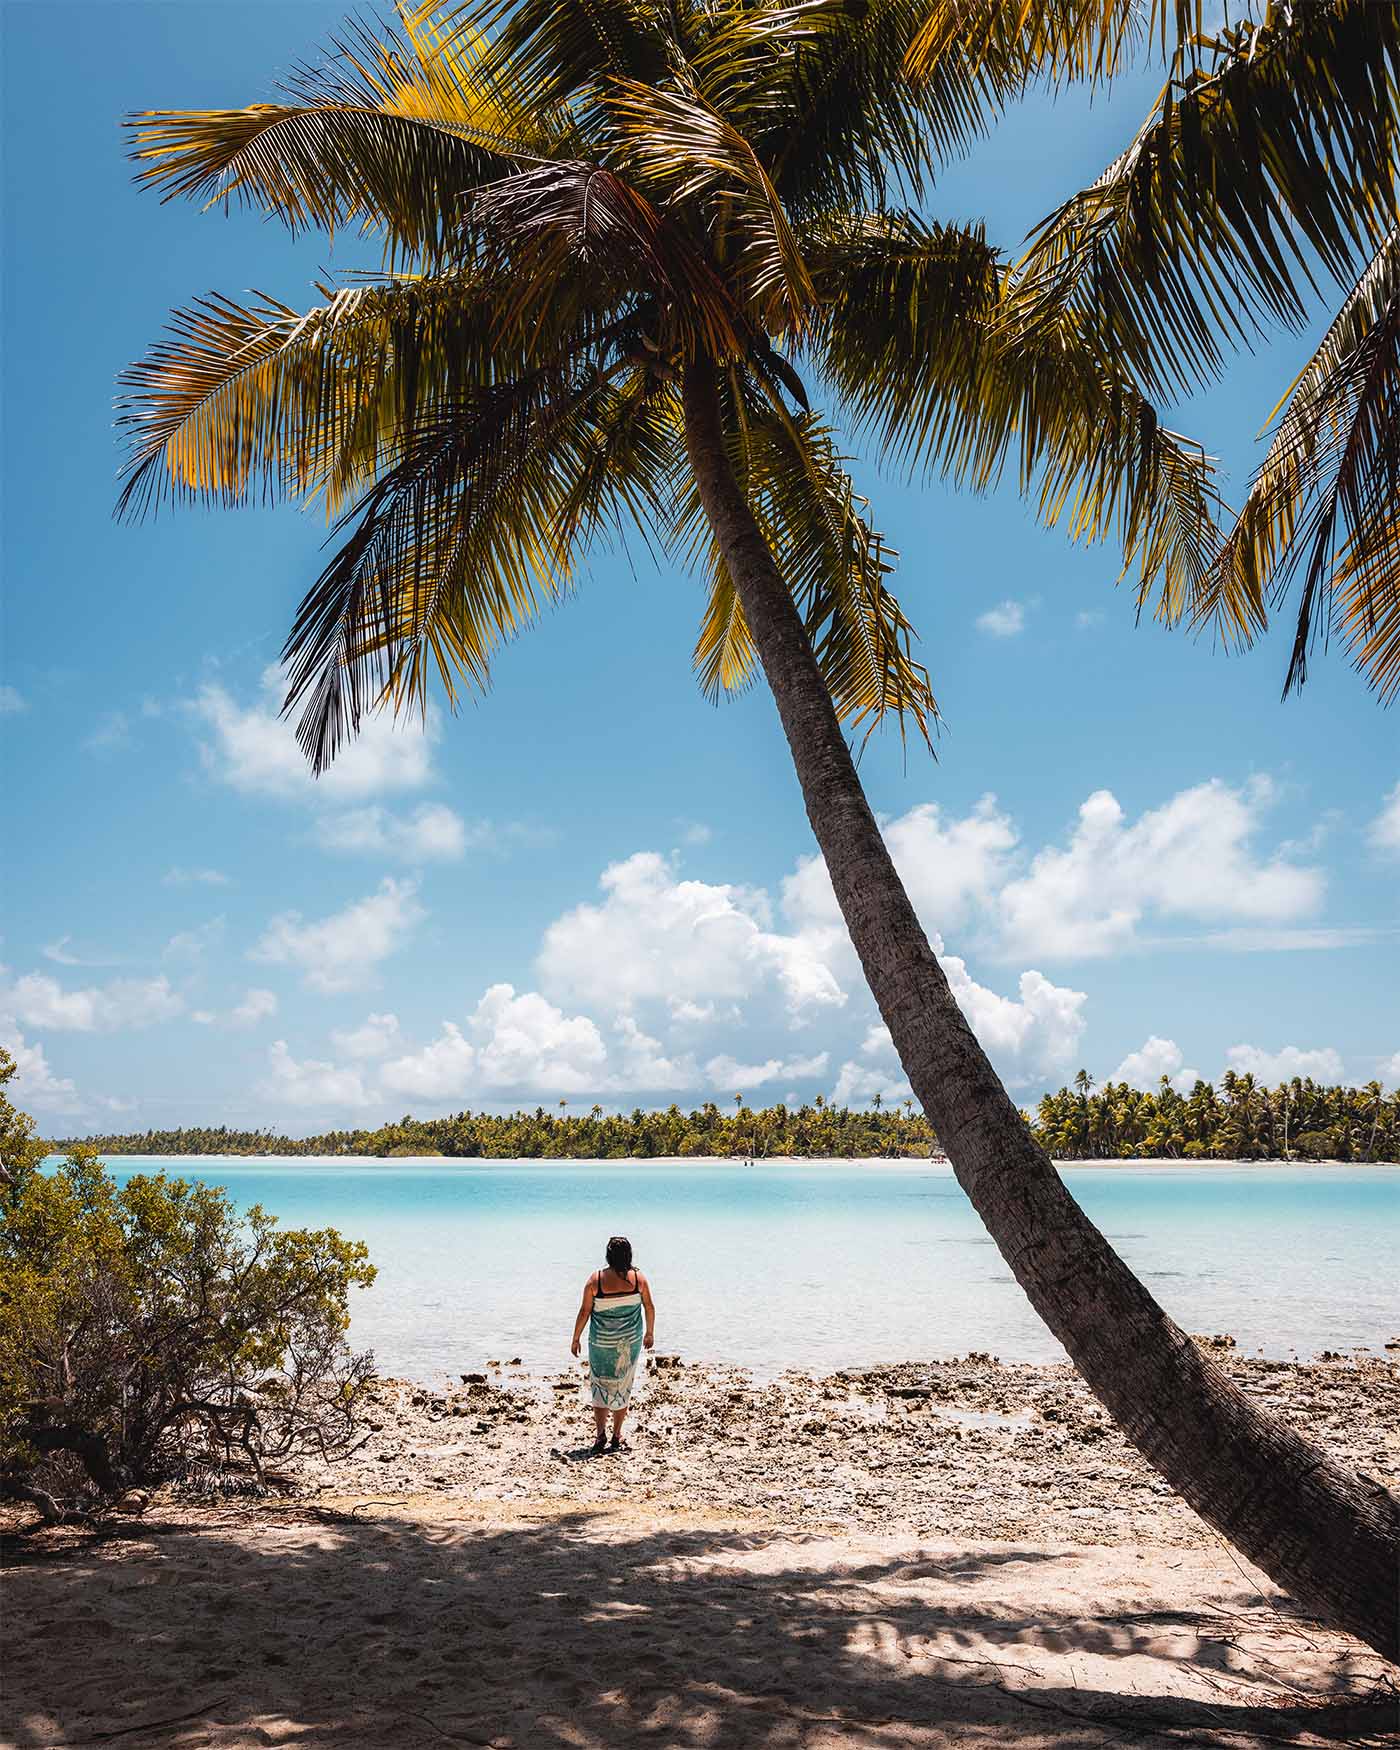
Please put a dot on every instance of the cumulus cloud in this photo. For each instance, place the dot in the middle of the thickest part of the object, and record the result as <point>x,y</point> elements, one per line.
<point>11,702</point>
<point>342,951</point>
<point>253,749</point>
<point>440,1071</point>
<point>310,1083</point>
<point>374,1037</point>
<point>1272,1067</point>
<point>520,1042</point>
<point>257,1005</point>
<point>1389,1071</point>
<point>1155,1058</point>
<point>35,1083</point>
<point>36,1000</point>
<point>655,937</point>
<point>726,1072</point>
<point>1384,831</point>
<point>1003,621</point>
<point>512,1041</point>
<point>431,833</point>
<point>1192,857</point>
<point>1029,1037</point>
<point>951,868</point>
<point>857,1084</point>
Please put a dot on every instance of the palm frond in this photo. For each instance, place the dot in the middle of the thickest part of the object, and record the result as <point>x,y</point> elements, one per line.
<point>831,557</point>
<point>460,544</point>
<point>584,222</point>
<point>1000,45</point>
<point>674,145</point>
<point>1271,145</point>
<point>558,55</point>
<point>923,336</point>
<point>817,89</point>
<point>391,133</point>
<point>725,661</point>
<point>1321,507</point>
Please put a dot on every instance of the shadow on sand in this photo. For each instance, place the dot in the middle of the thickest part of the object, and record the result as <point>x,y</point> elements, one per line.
<point>319,1628</point>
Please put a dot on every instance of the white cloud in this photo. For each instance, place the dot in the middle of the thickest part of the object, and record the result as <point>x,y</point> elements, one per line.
<point>1272,1067</point>
<point>645,1064</point>
<point>1087,618</point>
<point>1155,1058</point>
<point>35,1083</point>
<point>11,702</point>
<point>310,1083</point>
<point>203,1017</point>
<point>376,1035</point>
<point>857,1084</point>
<point>1003,621</point>
<point>656,937</point>
<point>725,1072</point>
<point>61,955</point>
<point>254,749</point>
<point>182,877</point>
<point>1028,1037</point>
<point>431,833</point>
<point>1191,857</point>
<point>516,1042</point>
<point>194,944</point>
<point>36,1000</point>
<point>950,868</point>
<point>524,1041</point>
<point>695,832</point>
<point>339,952</point>
<point>1384,830</point>
<point>443,1070</point>
<point>1389,1071</point>
<point>257,1005</point>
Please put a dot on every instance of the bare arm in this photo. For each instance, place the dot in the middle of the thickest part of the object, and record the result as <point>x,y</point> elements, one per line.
<point>590,1288</point>
<point>650,1337</point>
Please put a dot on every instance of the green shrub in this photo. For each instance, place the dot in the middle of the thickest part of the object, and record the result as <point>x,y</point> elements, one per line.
<point>149,1331</point>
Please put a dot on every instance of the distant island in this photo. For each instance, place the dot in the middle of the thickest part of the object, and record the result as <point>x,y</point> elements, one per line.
<point>1298,1120</point>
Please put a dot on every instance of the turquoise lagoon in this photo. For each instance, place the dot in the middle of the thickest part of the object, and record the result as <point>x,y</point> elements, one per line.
<point>818,1266</point>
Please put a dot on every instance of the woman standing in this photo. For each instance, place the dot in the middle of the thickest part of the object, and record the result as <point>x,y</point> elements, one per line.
<point>614,1301</point>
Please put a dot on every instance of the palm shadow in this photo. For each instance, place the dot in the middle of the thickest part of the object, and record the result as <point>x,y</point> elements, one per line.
<point>556,1635</point>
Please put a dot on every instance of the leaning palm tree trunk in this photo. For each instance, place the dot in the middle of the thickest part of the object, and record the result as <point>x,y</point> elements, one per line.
<point>1325,1536</point>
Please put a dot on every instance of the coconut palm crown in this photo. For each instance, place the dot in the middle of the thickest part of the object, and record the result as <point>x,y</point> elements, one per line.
<point>574,201</point>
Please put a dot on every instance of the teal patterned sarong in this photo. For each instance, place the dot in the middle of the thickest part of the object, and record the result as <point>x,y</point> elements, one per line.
<point>614,1348</point>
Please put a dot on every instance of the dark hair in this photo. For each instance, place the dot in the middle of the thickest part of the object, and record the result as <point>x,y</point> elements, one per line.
<point>620,1254</point>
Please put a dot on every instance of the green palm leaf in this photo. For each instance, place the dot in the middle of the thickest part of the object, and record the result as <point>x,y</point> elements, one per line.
<point>926,338</point>
<point>391,134</point>
<point>1321,508</point>
<point>1271,145</point>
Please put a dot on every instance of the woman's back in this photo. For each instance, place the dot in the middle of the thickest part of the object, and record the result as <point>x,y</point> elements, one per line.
<point>609,1284</point>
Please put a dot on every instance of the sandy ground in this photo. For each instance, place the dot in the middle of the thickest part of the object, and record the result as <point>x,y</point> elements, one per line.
<point>933,1554</point>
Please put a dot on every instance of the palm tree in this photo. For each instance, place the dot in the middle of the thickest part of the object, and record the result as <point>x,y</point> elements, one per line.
<point>612,235</point>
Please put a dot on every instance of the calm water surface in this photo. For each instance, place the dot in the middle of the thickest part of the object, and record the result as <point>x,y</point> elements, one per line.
<point>819,1267</point>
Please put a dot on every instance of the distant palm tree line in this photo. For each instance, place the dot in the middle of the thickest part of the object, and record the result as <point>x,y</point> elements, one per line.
<point>1298,1120</point>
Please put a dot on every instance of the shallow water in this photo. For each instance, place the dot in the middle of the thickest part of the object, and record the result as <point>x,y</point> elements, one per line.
<point>819,1266</point>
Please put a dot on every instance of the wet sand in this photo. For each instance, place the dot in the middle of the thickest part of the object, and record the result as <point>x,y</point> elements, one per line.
<point>931,1554</point>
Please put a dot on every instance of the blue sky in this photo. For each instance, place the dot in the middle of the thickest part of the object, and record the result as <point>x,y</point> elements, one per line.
<point>593,884</point>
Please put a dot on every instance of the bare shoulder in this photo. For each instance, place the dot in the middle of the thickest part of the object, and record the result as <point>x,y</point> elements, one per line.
<point>591,1286</point>
<point>642,1282</point>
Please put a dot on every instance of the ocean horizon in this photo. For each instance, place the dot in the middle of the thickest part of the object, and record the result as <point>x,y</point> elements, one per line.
<point>815,1265</point>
